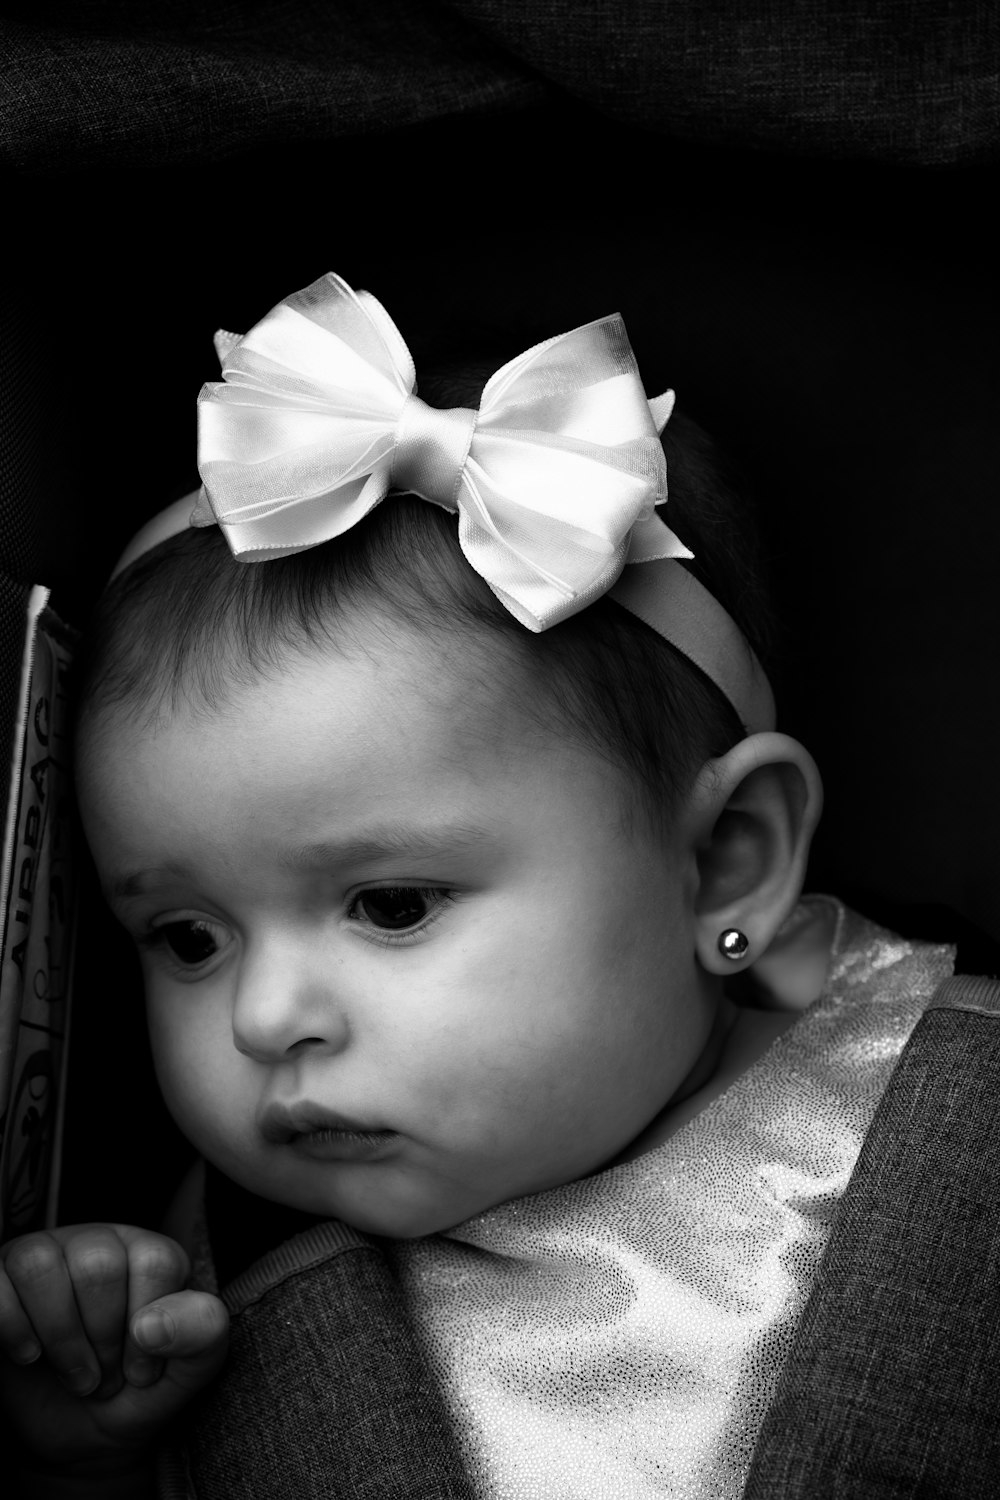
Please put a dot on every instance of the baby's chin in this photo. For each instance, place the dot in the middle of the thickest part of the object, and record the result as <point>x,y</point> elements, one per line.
<point>386,1204</point>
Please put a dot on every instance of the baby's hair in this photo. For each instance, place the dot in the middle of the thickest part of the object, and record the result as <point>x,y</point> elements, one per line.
<point>186,622</point>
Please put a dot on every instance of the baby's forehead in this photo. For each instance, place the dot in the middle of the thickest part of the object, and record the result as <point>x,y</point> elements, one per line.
<point>189,633</point>
<point>367,762</point>
<point>384,689</point>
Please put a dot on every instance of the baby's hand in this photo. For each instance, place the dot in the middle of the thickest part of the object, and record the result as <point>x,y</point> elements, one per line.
<point>102,1345</point>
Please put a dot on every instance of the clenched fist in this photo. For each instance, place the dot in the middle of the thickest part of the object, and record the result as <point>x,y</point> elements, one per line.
<point>101,1344</point>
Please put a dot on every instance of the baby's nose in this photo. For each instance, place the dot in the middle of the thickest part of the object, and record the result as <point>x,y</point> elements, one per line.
<point>283,1006</point>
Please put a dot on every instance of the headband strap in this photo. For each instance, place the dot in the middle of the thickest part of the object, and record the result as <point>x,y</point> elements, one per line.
<point>555,478</point>
<point>673,603</point>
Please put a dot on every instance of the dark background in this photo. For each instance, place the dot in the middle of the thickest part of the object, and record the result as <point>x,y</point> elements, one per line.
<point>793,214</point>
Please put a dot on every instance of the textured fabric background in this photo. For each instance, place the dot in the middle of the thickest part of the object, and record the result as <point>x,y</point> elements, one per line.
<point>890,1391</point>
<point>148,84</point>
<point>326,1395</point>
<point>145,84</point>
<point>890,79</point>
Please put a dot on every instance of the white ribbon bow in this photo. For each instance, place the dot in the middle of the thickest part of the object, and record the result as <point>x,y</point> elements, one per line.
<point>554,479</point>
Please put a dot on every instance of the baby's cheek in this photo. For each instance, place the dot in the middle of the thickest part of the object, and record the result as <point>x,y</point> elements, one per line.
<point>197,1067</point>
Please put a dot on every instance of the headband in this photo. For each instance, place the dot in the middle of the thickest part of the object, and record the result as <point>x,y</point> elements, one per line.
<point>555,478</point>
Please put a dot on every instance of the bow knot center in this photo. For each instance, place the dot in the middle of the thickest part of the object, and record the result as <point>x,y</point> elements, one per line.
<point>431,448</point>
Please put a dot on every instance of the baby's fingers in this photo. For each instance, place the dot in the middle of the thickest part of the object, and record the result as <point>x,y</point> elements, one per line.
<point>98,1269</point>
<point>190,1332</point>
<point>158,1267</point>
<point>37,1278</point>
<point>17,1337</point>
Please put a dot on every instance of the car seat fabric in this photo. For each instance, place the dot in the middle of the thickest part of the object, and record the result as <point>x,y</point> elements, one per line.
<point>890,1389</point>
<point>149,86</point>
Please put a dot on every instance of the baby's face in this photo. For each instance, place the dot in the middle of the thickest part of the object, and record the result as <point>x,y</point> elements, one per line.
<point>404,956</point>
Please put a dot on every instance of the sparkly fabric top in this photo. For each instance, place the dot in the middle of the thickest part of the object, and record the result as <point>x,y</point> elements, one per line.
<point>621,1336</point>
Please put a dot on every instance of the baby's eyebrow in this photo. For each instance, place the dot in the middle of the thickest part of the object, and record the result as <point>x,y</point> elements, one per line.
<point>392,840</point>
<point>365,846</point>
<point>136,882</point>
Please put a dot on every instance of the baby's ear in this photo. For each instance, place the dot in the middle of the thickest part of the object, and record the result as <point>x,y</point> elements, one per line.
<point>753,813</point>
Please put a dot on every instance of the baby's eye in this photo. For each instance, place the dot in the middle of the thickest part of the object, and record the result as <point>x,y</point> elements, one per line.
<point>396,908</point>
<point>192,942</point>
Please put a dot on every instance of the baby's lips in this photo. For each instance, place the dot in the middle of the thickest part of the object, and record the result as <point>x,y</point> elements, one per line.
<point>280,1122</point>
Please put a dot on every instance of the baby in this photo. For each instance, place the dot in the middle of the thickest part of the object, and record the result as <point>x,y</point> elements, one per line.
<point>439,842</point>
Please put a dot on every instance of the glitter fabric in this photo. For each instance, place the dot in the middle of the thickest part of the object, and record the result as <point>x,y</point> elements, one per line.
<point>621,1336</point>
